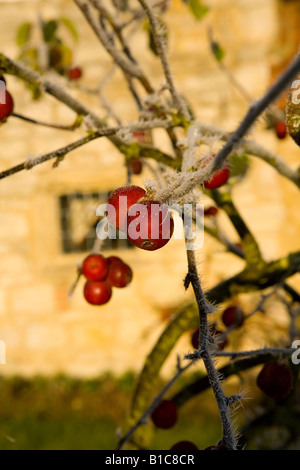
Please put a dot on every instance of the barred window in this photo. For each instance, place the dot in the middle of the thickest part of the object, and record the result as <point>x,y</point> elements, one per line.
<point>78,221</point>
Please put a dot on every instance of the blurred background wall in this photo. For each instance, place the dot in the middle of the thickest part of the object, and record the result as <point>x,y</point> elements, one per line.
<point>45,331</point>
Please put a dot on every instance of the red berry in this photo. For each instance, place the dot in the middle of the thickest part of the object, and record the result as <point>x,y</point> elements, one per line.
<point>275,380</point>
<point>112,259</point>
<point>233,315</point>
<point>219,336</point>
<point>184,445</point>
<point>6,108</point>
<point>221,339</point>
<point>121,199</point>
<point>280,129</point>
<point>136,166</point>
<point>119,274</point>
<point>219,178</point>
<point>74,73</point>
<point>211,211</point>
<point>165,414</point>
<point>195,339</point>
<point>149,224</point>
<point>97,292</point>
<point>139,136</point>
<point>95,267</point>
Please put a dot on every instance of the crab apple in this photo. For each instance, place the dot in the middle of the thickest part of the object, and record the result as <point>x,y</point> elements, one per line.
<point>211,210</point>
<point>74,73</point>
<point>139,136</point>
<point>233,316</point>
<point>97,292</point>
<point>121,199</point>
<point>95,267</point>
<point>195,339</point>
<point>280,129</point>
<point>165,414</point>
<point>275,380</point>
<point>221,339</point>
<point>113,259</point>
<point>149,225</point>
<point>119,274</point>
<point>6,108</point>
<point>219,178</point>
<point>184,445</point>
<point>136,166</point>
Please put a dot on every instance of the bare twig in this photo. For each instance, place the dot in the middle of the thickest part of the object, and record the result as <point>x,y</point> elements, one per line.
<point>256,110</point>
<point>154,404</point>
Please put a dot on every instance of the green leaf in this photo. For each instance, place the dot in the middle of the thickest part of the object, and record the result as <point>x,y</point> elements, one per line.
<point>198,9</point>
<point>49,30</point>
<point>23,34</point>
<point>70,26</point>
<point>218,51</point>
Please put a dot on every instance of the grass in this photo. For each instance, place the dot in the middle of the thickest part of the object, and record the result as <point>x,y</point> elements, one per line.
<point>63,413</point>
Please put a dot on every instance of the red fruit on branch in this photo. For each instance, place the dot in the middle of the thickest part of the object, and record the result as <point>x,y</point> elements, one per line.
<point>136,166</point>
<point>149,225</point>
<point>280,129</point>
<point>165,414</point>
<point>112,259</point>
<point>74,73</point>
<point>97,292</point>
<point>119,274</point>
<point>6,109</point>
<point>184,445</point>
<point>219,336</point>
<point>219,178</point>
<point>121,199</point>
<point>95,267</point>
<point>140,136</point>
<point>275,380</point>
<point>211,210</point>
<point>233,316</point>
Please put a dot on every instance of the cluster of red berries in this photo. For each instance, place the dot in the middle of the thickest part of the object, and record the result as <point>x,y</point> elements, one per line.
<point>102,274</point>
<point>148,224</point>
<point>6,108</point>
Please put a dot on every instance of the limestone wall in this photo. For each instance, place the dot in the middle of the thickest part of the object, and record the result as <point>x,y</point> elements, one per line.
<point>43,330</point>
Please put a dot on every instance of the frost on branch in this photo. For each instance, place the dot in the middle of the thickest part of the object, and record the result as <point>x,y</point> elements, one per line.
<point>183,187</point>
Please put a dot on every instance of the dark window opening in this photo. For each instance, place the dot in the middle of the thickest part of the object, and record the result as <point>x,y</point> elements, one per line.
<point>78,222</point>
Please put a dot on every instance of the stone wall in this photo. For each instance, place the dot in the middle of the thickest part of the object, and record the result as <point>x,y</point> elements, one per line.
<point>43,330</point>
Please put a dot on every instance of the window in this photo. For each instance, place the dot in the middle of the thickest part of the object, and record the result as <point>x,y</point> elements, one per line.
<point>78,221</point>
